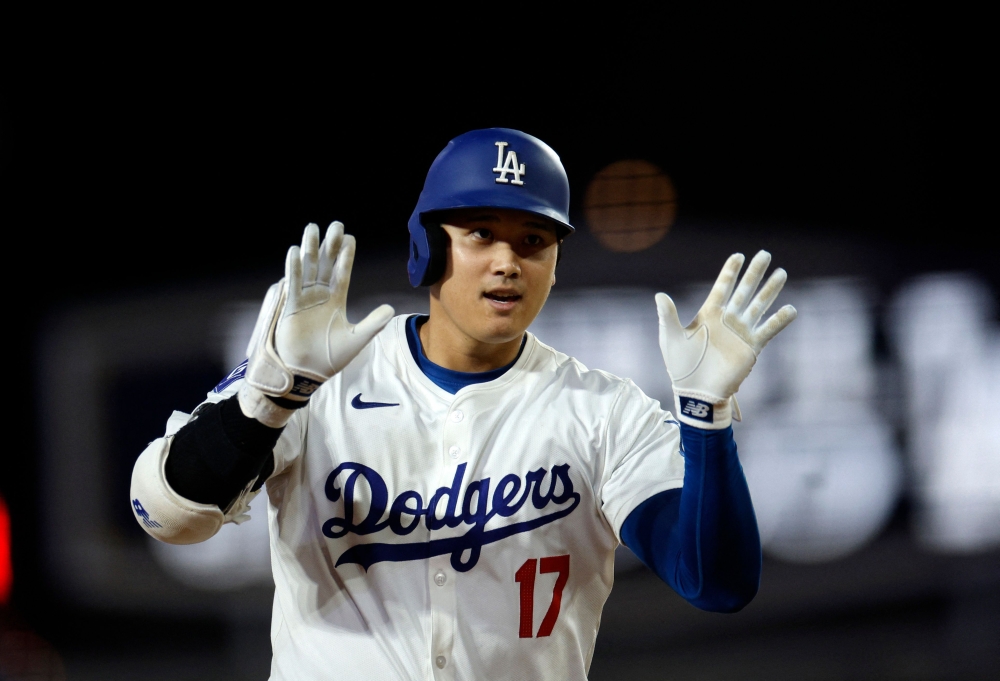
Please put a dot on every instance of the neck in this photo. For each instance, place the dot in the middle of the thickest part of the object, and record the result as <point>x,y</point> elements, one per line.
<point>448,346</point>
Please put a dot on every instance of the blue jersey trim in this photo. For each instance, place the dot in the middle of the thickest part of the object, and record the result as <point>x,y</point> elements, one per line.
<point>236,374</point>
<point>447,379</point>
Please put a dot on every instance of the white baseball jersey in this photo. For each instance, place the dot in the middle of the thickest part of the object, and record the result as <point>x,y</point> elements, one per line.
<point>417,534</point>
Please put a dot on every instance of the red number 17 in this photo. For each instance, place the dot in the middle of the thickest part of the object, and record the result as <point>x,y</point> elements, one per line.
<point>525,575</point>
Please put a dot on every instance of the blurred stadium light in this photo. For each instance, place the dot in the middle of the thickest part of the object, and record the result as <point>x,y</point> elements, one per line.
<point>630,205</point>
<point>949,350</point>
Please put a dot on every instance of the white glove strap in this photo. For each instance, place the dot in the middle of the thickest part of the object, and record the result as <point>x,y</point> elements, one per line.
<point>164,514</point>
<point>702,410</point>
<point>256,405</point>
<point>265,370</point>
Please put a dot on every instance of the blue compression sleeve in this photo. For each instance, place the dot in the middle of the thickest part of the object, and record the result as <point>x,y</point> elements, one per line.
<point>702,539</point>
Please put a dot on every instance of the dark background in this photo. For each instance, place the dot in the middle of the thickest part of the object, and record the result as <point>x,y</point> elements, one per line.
<point>178,160</point>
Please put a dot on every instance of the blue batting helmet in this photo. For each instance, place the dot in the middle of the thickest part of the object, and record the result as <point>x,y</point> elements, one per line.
<point>491,168</point>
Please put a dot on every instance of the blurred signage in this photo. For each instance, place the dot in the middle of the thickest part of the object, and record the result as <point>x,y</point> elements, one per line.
<point>819,454</point>
<point>948,344</point>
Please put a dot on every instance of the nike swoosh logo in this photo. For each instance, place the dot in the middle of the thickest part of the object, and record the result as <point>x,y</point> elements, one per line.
<point>358,404</point>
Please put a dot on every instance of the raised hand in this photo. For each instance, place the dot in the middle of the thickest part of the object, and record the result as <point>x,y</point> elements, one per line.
<point>302,337</point>
<point>709,358</point>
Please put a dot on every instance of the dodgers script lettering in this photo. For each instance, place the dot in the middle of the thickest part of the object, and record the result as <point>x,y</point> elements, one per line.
<point>447,507</point>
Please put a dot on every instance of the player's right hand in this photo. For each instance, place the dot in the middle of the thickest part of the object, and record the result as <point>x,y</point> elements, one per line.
<point>709,358</point>
<point>302,337</point>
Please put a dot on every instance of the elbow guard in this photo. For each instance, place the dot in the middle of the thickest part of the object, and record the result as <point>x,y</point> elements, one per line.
<point>164,514</point>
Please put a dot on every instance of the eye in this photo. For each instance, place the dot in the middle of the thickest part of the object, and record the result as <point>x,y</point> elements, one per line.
<point>533,240</point>
<point>483,233</point>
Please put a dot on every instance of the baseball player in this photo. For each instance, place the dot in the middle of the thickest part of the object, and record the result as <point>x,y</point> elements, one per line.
<point>446,492</point>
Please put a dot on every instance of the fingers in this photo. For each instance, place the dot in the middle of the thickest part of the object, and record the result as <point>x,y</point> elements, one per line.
<point>723,286</point>
<point>773,326</point>
<point>373,323</point>
<point>328,251</point>
<point>681,353</point>
<point>310,254</point>
<point>671,330</point>
<point>766,296</point>
<point>293,273</point>
<point>342,270</point>
<point>667,312</point>
<point>751,279</point>
<point>272,301</point>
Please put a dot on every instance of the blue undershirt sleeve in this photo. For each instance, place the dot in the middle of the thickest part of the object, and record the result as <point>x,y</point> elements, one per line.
<point>702,539</point>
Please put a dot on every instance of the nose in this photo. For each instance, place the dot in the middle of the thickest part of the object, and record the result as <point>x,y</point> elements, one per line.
<point>505,261</point>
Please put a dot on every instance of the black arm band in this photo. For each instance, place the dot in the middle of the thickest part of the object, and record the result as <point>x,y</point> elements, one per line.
<point>213,457</point>
<point>286,403</point>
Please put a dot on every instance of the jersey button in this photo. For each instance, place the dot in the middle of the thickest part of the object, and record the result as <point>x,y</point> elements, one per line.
<point>440,578</point>
<point>455,451</point>
<point>457,416</point>
<point>440,661</point>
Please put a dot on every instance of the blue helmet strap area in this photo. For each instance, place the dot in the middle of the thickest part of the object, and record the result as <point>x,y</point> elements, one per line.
<point>437,261</point>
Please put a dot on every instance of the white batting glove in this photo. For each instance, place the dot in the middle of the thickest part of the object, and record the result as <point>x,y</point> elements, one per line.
<point>302,337</point>
<point>708,359</point>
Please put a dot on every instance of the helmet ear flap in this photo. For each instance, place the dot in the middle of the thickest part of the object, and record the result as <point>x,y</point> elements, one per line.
<point>437,242</point>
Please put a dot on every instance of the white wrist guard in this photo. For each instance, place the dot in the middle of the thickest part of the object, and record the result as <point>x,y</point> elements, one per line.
<point>257,405</point>
<point>164,514</point>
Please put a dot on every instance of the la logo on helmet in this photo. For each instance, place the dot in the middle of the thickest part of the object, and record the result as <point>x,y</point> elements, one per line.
<point>508,165</point>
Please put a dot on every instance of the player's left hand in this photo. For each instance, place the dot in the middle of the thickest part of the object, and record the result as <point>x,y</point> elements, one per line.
<point>708,359</point>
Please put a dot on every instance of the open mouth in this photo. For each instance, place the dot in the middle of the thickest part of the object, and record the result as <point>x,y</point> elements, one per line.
<point>503,297</point>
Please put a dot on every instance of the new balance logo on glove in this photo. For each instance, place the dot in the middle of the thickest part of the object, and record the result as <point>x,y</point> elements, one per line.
<point>696,409</point>
<point>304,387</point>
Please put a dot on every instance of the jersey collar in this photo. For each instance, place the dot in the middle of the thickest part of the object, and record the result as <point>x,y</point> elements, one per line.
<point>406,362</point>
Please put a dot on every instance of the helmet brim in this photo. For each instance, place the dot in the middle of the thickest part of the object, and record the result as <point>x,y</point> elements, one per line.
<point>563,228</point>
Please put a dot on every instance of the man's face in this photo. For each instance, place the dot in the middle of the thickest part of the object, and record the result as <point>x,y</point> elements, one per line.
<point>501,267</point>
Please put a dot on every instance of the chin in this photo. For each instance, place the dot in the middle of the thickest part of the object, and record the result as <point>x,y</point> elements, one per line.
<point>501,330</point>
